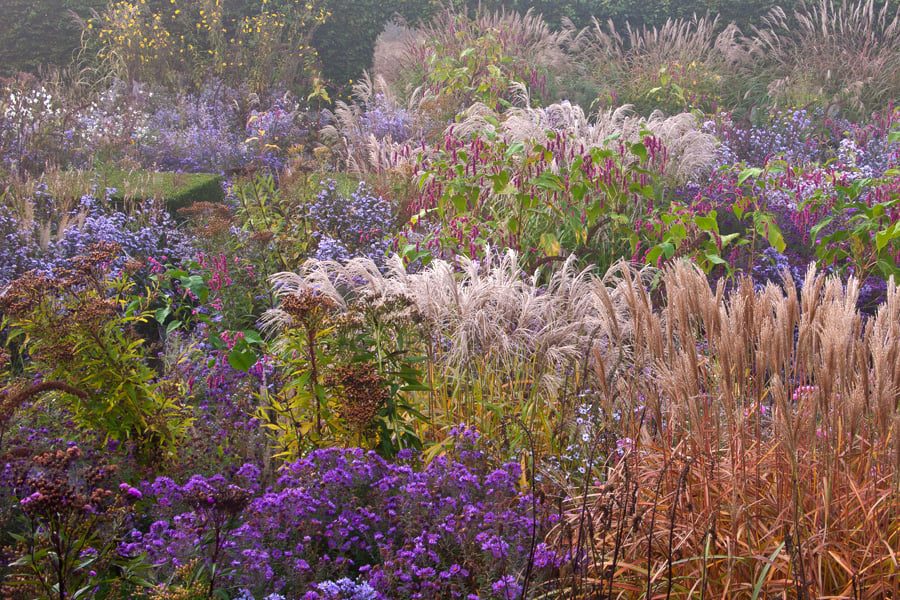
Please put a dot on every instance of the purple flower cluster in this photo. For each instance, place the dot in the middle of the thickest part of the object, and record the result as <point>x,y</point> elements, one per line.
<point>820,156</point>
<point>348,524</point>
<point>787,135</point>
<point>226,430</point>
<point>385,119</point>
<point>342,589</point>
<point>18,252</point>
<point>195,133</point>
<point>358,225</point>
<point>148,231</point>
<point>205,131</point>
<point>271,132</point>
<point>771,264</point>
<point>871,138</point>
<point>803,139</point>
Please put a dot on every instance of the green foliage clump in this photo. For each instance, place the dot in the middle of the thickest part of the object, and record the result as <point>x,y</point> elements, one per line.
<point>348,371</point>
<point>81,327</point>
<point>176,190</point>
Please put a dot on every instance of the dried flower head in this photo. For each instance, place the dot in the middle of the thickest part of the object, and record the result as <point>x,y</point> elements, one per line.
<point>396,306</point>
<point>306,307</point>
<point>97,258</point>
<point>362,394</point>
<point>93,312</point>
<point>133,265</point>
<point>262,237</point>
<point>25,293</point>
<point>208,219</point>
<point>229,500</point>
<point>59,482</point>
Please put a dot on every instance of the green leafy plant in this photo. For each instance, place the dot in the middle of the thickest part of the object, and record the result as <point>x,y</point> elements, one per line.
<point>273,219</point>
<point>688,234</point>
<point>348,368</point>
<point>81,328</point>
<point>379,337</point>
<point>299,416</point>
<point>861,234</point>
<point>476,74</point>
<point>543,199</point>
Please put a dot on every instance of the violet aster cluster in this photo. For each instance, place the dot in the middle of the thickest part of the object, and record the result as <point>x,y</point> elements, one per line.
<point>349,524</point>
<point>384,119</point>
<point>348,226</point>
<point>148,231</point>
<point>194,133</point>
<point>787,135</point>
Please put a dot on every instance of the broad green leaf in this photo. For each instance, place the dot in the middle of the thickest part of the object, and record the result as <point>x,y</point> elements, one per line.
<point>886,236</point>
<point>748,173</point>
<point>549,244</point>
<point>707,223</point>
<point>252,336</point>
<point>241,359</point>
<point>727,239</point>
<point>639,150</point>
<point>460,203</point>
<point>766,227</point>
<point>513,149</point>
<point>549,181</point>
<point>677,233</point>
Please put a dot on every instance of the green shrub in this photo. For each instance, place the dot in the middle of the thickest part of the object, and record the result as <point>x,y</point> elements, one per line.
<point>38,33</point>
<point>81,328</point>
<point>177,190</point>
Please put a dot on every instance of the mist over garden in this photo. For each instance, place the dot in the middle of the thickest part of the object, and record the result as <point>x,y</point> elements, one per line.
<point>499,300</point>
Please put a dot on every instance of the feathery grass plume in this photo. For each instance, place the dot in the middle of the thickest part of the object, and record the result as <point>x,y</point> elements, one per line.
<point>682,63</point>
<point>50,204</point>
<point>845,53</point>
<point>676,39</point>
<point>370,133</point>
<point>395,42</point>
<point>764,459</point>
<point>690,151</point>
<point>497,342</point>
<point>534,53</point>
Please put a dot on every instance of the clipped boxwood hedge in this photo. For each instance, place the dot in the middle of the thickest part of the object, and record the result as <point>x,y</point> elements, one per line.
<point>177,190</point>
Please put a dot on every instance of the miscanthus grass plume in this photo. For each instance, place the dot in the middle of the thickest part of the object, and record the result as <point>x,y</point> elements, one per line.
<point>498,342</point>
<point>762,454</point>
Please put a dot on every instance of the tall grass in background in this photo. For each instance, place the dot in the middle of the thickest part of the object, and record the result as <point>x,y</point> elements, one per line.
<point>683,64</point>
<point>824,53</point>
<point>456,59</point>
<point>844,54</point>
